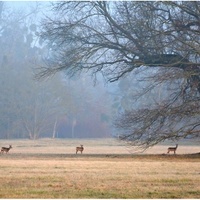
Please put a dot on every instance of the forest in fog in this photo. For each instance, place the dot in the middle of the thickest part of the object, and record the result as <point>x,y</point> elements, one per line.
<point>100,69</point>
<point>56,107</point>
<point>59,106</point>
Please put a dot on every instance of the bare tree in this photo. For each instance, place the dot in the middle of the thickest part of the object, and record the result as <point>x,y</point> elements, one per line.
<point>116,38</point>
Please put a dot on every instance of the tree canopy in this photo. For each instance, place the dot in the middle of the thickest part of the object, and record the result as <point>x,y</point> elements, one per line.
<point>117,38</point>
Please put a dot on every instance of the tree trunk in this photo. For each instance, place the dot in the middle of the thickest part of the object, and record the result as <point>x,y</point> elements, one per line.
<point>54,128</point>
<point>73,126</point>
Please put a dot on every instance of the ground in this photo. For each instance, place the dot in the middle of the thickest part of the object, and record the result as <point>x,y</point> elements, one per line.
<point>50,168</point>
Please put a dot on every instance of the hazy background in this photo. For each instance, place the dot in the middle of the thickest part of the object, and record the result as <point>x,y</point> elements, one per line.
<point>57,107</point>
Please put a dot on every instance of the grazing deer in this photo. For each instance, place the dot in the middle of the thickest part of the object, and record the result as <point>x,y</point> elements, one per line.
<point>79,149</point>
<point>6,149</point>
<point>172,149</point>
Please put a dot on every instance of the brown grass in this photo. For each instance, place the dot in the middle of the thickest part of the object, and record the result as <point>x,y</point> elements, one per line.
<point>92,146</point>
<point>39,169</point>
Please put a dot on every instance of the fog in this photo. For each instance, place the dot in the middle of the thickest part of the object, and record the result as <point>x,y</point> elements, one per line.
<point>60,107</point>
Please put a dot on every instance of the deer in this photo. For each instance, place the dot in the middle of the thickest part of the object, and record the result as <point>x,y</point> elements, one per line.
<point>5,149</point>
<point>79,149</point>
<point>173,149</point>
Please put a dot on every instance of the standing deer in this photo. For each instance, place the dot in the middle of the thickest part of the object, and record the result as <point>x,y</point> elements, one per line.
<point>6,149</point>
<point>79,149</point>
<point>172,149</point>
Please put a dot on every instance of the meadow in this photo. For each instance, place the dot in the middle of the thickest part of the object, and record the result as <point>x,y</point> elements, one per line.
<point>48,168</point>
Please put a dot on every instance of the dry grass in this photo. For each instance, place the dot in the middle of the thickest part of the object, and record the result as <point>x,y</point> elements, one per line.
<point>92,146</point>
<point>39,169</point>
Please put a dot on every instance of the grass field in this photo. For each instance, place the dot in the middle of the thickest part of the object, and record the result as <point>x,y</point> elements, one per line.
<point>49,168</point>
